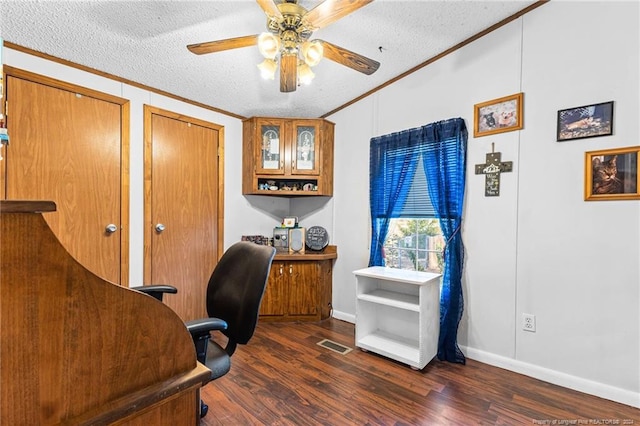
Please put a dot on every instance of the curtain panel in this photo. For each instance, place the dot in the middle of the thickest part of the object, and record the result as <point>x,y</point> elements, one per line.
<point>392,167</point>
<point>393,159</point>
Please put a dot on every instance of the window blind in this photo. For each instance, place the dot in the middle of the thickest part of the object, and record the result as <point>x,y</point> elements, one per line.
<point>406,161</point>
<point>418,203</point>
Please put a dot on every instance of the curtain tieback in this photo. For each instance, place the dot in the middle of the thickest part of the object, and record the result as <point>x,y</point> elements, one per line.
<point>455,231</point>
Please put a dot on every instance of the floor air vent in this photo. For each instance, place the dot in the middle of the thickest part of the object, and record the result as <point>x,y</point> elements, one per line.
<point>333,346</point>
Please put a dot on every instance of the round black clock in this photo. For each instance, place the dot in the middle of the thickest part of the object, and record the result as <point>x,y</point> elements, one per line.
<point>317,238</point>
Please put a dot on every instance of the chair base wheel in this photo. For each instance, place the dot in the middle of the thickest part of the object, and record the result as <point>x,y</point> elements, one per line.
<point>204,409</point>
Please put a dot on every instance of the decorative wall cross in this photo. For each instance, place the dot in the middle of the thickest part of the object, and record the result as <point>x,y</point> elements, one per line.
<point>491,170</point>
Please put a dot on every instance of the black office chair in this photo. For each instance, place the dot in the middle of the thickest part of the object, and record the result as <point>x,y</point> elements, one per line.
<point>234,294</point>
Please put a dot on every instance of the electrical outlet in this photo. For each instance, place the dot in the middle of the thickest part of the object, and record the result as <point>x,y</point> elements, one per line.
<point>529,322</point>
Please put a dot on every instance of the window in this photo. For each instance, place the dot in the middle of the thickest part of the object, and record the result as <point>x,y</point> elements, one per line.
<point>414,240</point>
<point>403,218</point>
<point>414,244</point>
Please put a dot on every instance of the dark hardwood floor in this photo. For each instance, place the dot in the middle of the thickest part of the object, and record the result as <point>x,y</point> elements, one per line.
<point>282,377</point>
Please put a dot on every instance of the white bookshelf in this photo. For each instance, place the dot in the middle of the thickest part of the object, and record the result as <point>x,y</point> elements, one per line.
<point>398,314</point>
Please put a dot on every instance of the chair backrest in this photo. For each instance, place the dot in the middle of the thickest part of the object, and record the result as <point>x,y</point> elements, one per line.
<point>236,287</point>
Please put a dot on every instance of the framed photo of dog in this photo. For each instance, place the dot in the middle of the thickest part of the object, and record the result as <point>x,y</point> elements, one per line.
<point>498,115</point>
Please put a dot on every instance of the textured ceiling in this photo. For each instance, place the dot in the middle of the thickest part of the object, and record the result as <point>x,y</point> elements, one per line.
<point>145,42</point>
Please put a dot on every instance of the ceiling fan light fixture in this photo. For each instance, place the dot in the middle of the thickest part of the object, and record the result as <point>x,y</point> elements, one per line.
<point>268,69</point>
<point>305,75</point>
<point>269,45</point>
<point>285,43</point>
<point>312,52</point>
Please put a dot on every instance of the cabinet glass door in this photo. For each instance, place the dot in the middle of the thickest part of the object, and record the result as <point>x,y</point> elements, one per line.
<point>271,155</point>
<point>306,149</point>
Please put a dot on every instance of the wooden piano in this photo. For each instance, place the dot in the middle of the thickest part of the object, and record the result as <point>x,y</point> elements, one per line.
<point>78,350</point>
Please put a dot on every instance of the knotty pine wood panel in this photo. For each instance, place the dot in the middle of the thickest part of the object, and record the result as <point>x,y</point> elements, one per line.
<point>283,377</point>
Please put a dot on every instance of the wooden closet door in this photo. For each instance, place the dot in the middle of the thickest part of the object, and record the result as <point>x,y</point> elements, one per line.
<point>183,208</point>
<point>66,147</point>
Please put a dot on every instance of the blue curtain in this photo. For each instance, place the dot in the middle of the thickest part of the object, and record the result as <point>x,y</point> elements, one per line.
<point>444,160</point>
<point>393,161</point>
<point>392,165</point>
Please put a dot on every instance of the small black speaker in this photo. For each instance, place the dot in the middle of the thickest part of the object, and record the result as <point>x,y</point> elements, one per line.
<point>296,240</point>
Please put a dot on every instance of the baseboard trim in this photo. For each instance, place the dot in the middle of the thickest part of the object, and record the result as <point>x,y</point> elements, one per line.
<point>344,316</point>
<point>557,378</point>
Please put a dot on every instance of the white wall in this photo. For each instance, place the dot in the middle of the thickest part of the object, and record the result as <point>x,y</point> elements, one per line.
<point>538,248</point>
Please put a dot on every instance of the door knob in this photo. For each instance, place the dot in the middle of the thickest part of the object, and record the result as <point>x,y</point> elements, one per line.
<point>159,228</point>
<point>110,228</point>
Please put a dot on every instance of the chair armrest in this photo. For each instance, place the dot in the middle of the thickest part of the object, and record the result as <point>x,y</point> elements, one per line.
<point>200,330</point>
<point>156,291</point>
<point>203,326</point>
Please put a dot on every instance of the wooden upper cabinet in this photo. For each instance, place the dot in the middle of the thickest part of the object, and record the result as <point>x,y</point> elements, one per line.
<point>287,156</point>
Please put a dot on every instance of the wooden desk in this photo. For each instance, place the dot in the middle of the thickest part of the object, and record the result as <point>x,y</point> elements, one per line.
<point>78,350</point>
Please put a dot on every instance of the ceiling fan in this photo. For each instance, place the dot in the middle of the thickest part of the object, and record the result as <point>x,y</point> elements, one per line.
<point>289,27</point>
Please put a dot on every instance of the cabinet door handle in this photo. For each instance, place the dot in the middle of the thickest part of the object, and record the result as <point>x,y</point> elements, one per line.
<point>280,269</point>
<point>110,228</point>
<point>290,269</point>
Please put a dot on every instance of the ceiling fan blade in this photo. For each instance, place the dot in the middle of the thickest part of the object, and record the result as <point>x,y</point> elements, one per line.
<point>331,10</point>
<point>220,45</point>
<point>288,72</point>
<point>270,8</point>
<point>349,59</point>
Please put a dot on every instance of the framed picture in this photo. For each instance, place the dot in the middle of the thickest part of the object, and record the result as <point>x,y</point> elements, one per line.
<point>612,174</point>
<point>498,115</point>
<point>587,121</point>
